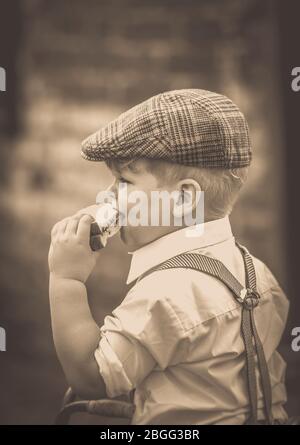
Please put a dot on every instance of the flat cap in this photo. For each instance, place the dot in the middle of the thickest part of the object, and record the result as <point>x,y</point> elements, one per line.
<point>188,126</point>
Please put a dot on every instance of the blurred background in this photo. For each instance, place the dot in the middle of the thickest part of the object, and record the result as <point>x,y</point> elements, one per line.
<point>72,66</point>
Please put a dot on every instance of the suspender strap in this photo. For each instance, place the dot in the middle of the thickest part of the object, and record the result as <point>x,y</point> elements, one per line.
<point>262,363</point>
<point>249,299</point>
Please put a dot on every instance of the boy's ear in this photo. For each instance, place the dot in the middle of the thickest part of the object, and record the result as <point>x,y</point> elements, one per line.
<point>188,197</point>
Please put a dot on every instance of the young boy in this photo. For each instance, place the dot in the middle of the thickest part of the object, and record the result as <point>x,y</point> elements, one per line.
<point>174,343</point>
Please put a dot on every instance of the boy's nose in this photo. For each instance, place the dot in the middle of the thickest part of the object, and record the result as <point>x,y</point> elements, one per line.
<point>113,187</point>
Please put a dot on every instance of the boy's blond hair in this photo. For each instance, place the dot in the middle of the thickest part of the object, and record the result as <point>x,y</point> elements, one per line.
<point>221,186</point>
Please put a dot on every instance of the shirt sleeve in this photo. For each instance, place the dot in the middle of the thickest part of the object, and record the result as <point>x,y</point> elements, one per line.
<point>140,335</point>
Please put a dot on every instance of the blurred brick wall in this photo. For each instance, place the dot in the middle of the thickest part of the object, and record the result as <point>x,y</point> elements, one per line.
<point>86,62</point>
<point>82,64</point>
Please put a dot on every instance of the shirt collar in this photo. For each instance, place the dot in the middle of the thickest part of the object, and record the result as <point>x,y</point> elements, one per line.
<point>174,243</point>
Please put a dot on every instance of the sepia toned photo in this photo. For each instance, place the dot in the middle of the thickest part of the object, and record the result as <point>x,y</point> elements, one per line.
<point>149,215</point>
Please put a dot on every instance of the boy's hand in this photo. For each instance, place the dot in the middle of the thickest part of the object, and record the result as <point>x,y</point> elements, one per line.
<point>70,255</point>
<point>90,210</point>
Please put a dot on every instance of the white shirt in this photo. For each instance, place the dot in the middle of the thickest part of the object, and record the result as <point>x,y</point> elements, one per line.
<point>174,343</point>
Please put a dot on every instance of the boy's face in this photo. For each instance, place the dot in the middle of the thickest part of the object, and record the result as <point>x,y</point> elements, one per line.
<point>135,200</point>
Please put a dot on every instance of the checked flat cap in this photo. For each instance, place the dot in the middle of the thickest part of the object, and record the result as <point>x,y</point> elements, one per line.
<point>188,126</point>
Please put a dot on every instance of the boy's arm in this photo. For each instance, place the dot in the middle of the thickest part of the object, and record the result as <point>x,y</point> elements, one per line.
<point>75,333</point>
<point>76,336</point>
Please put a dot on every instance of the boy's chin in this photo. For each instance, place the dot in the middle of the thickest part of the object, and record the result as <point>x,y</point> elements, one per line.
<point>124,237</point>
<point>130,241</point>
<point>126,240</point>
<point>141,236</point>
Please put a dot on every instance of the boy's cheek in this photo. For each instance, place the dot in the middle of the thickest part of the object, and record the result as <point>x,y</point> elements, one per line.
<point>125,208</point>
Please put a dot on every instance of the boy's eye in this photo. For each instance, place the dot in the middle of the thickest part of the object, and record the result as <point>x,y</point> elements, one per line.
<point>121,179</point>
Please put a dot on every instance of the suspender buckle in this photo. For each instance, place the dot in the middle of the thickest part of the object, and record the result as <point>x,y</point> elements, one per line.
<point>251,299</point>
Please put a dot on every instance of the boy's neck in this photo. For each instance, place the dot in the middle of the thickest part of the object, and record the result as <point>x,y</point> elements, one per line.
<point>171,229</point>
